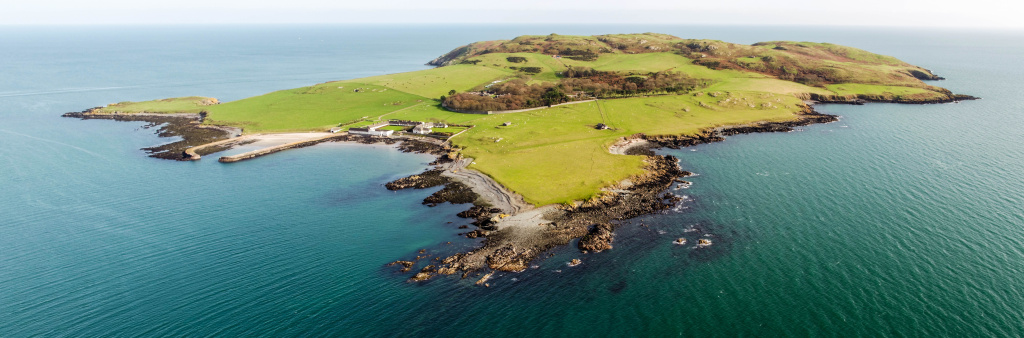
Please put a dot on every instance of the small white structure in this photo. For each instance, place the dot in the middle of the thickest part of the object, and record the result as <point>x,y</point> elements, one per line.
<point>422,128</point>
<point>372,130</point>
<point>335,130</point>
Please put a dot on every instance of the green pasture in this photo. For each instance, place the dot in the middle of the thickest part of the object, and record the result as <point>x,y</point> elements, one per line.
<point>310,108</point>
<point>550,66</point>
<point>766,85</point>
<point>191,104</point>
<point>854,89</point>
<point>560,144</point>
<point>432,83</point>
<point>433,113</point>
<point>448,129</point>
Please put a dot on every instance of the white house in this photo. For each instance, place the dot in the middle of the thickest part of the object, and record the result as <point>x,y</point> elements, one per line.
<point>422,128</point>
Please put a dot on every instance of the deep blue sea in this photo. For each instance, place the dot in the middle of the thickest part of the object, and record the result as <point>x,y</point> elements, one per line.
<point>899,220</point>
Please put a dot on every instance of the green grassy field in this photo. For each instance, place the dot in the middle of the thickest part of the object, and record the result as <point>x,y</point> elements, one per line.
<point>434,113</point>
<point>191,104</point>
<point>651,62</point>
<point>556,155</point>
<point>766,85</point>
<point>433,83</point>
<point>396,128</point>
<point>853,89</point>
<point>311,108</point>
<point>546,146</point>
<point>549,65</point>
<point>449,129</point>
<point>561,144</point>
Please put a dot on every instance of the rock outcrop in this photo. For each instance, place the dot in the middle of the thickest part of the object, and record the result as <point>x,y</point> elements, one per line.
<point>598,239</point>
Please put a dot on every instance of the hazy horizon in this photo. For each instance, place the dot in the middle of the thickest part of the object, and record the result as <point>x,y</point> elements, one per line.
<point>872,13</point>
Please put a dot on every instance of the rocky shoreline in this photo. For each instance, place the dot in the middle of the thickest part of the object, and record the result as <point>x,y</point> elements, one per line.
<point>806,116</point>
<point>188,127</point>
<point>863,99</point>
<point>511,246</point>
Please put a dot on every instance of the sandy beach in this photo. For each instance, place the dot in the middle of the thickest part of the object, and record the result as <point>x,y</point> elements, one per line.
<point>270,140</point>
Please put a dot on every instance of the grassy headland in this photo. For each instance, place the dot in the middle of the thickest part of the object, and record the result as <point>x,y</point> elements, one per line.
<point>556,155</point>
<point>185,105</point>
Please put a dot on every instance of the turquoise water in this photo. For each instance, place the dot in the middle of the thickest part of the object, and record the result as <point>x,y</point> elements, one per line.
<point>895,221</point>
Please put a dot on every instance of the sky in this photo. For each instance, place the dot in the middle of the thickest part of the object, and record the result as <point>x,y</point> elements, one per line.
<point>914,13</point>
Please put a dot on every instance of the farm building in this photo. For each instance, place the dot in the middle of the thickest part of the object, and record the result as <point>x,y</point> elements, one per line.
<point>370,132</point>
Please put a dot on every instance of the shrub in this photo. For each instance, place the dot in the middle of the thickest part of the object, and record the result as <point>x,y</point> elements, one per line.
<point>531,70</point>
<point>712,64</point>
<point>579,54</point>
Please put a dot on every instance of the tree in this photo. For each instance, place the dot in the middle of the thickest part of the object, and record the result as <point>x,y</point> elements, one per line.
<point>451,92</point>
<point>553,96</point>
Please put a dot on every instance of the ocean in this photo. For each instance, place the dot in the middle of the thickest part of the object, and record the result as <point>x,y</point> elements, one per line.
<point>898,220</point>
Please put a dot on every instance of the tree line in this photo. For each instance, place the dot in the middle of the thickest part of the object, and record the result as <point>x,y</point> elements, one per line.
<point>577,84</point>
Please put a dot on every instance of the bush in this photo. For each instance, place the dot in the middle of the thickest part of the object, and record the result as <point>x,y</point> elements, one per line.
<point>579,55</point>
<point>531,70</point>
<point>516,59</point>
<point>708,63</point>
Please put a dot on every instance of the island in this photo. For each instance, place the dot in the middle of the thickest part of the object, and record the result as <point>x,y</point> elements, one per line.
<point>549,138</point>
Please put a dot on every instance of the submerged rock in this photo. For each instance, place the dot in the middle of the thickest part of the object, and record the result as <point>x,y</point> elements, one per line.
<point>483,280</point>
<point>406,265</point>
<point>424,274</point>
